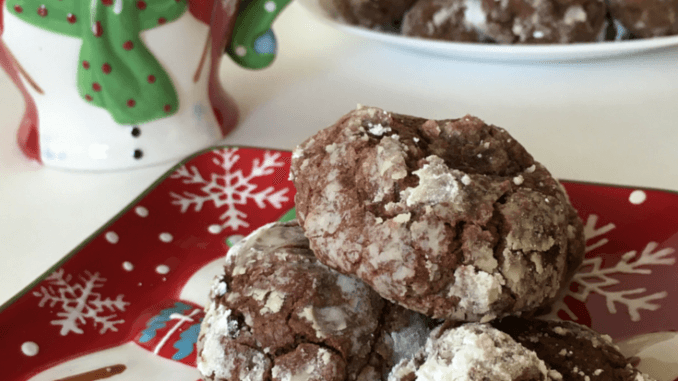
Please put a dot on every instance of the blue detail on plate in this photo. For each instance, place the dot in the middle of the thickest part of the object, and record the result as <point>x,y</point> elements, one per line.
<point>159,321</point>
<point>265,44</point>
<point>186,344</point>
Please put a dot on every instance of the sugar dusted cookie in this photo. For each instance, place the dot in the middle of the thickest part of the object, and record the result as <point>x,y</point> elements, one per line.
<point>472,352</point>
<point>517,349</point>
<point>646,18</point>
<point>572,350</point>
<point>452,20</point>
<point>545,21</point>
<point>450,218</point>
<point>377,14</point>
<point>278,314</point>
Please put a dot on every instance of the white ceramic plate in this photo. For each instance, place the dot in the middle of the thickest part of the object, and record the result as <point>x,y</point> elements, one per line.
<point>492,52</point>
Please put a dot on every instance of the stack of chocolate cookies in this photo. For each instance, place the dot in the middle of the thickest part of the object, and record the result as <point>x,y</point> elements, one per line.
<point>422,250</point>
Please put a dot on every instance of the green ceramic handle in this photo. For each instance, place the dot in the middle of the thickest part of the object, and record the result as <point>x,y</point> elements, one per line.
<point>253,44</point>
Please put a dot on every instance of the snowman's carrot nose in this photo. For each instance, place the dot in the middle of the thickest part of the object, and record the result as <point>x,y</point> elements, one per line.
<point>97,374</point>
<point>21,69</point>
<point>253,44</point>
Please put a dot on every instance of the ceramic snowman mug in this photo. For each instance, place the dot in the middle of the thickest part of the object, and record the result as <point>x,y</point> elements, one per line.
<point>114,84</point>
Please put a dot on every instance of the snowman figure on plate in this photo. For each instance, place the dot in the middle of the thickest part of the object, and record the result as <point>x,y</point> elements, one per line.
<point>163,348</point>
<point>114,84</point>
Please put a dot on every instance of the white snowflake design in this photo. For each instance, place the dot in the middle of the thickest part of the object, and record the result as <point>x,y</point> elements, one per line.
<point>79,302</point>
<point>593,278</point>
<point>230,188</point>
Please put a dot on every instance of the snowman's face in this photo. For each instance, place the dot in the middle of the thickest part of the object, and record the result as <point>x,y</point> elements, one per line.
<point>197,287</point>
<point>139,360</point>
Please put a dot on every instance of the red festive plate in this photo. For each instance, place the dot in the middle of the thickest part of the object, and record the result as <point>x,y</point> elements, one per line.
<point>126,304</point>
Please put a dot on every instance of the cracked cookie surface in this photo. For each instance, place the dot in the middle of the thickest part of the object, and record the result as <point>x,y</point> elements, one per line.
<point>451,20</point>
<point>472,352</point>
<point>278,314</point>
<point>544,21</point>
<point>517,349</point>
<point>572,350</point>
<point>450,218</point>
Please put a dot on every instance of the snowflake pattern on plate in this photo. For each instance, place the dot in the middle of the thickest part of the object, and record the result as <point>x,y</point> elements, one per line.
<point>230,188</point>
<point>594,277</point>
<point>636,253</point>
<point>80,303</point>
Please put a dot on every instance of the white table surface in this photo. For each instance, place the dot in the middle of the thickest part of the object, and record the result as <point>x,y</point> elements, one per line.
<point>610,121</point>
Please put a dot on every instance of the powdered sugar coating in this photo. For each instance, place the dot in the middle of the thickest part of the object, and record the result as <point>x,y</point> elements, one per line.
<point>309,362</point>
<point>512,21</point>
<point>570,350</point>
<point>278,314</point>
<point>647,18</point>
<point>472,352</point>
<point>453,20</point>
<point>219,362</point>
<point>428,214</point>
<point>517,349</point>
<point>545,21</point>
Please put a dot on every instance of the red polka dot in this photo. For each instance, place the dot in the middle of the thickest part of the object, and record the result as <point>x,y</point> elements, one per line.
<point>128,45</point>
<point>97,29</point>
<point>18,9</point>
<point>141,5</point>
<point>131,103</point>
<point>85,64</point>
<point>71,18</point>
<point>162,20</point>
<point>42,11</point>
<point>107,2</point>
<point>151,78</point>
<point>96,86</point>
<point>106,68</point>
<point>168,108</point>
<point>88,98</point>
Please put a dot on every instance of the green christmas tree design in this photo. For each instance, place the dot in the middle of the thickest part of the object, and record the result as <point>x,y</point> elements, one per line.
<point>116,71</point>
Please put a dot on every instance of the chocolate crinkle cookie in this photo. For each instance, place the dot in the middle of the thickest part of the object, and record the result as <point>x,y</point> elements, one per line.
<point>278,314</point>
<point>450,218</point>
<point>514,349</point>
<point>378,14</point>
<point>472,352</point>
<point>452,20</point>
<point>646,18</point>
<point>544,21</point>
<point>574,351</point>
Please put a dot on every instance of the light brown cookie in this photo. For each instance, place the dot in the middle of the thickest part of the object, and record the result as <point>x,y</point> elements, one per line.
<point>450,218</point>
